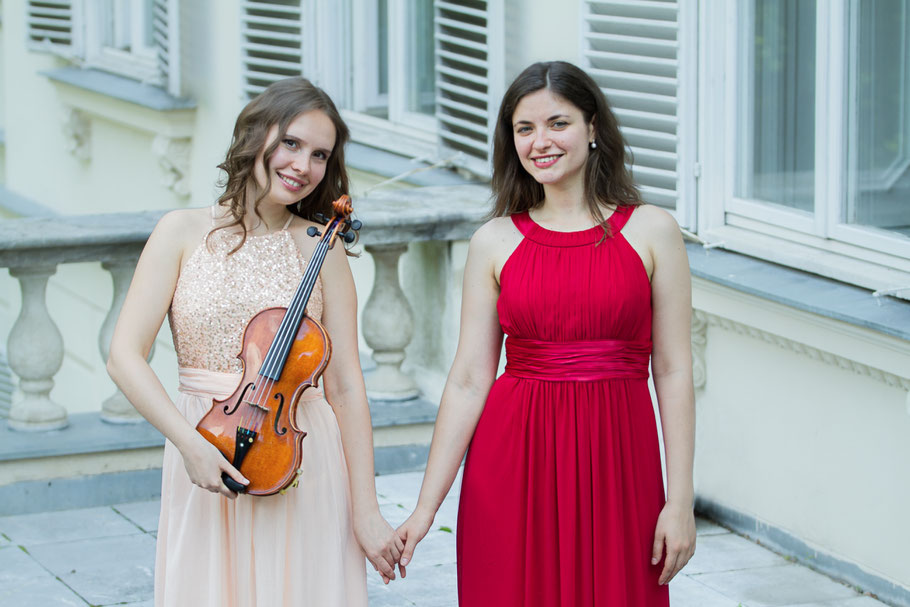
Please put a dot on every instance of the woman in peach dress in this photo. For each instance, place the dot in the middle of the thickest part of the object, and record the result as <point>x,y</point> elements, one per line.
<point>211,270</point>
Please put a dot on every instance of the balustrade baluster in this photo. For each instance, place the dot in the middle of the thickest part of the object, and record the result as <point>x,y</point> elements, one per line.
<point>116,409</point>
<point>388,326</point>
<point>35,353</point>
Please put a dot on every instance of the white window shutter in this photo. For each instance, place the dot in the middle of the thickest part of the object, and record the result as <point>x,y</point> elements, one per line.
<point>271,34</point>
<point>166,35</point>
<point>54,25</point>
<point>469,78</point>
<point>638,52</point>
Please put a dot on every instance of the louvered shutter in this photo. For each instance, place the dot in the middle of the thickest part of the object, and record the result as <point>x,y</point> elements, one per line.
<point>272,42</point>
<point>166,35</point>
<point>633,51</point>
<point>469,77</point>
<point>53,25</point>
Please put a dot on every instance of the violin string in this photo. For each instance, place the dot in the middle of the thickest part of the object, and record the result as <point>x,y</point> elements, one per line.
<point>285,334</point>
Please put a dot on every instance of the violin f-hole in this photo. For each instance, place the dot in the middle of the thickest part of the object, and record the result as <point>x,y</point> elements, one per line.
<point>246,388</point>
<point>280,398</point>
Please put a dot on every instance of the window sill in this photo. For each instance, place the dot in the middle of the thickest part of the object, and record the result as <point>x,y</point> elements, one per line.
<point>840,261</point>
<point>118,99</point>
<point>801,290</point>
<point>396,138</point>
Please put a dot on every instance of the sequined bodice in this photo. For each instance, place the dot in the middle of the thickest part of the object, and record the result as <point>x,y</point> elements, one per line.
<point>217,294</point>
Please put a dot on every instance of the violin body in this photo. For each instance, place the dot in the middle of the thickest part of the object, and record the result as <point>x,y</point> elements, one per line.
<point>270,457</point>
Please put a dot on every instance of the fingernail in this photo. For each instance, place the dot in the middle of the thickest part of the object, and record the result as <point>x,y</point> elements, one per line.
<point>654,561</point>
<point>405,561</point>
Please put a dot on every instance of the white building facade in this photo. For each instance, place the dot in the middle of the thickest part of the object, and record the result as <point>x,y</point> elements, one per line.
<point>777,132</point>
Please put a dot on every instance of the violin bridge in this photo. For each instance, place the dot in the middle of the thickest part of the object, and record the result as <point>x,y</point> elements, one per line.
<point>257,406</point>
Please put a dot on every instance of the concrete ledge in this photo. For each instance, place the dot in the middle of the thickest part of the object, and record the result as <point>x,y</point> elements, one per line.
<point>794,548</point>
<point>80,492</point>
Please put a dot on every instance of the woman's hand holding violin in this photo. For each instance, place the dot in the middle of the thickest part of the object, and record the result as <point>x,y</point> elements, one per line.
<point>379,542</point>
<point>204,464</point>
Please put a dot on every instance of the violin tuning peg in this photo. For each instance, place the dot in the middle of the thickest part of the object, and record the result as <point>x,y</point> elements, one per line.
<point>312,231</point>
<point>348,237</point>
<point>356,224</point>
<point>321,218</point>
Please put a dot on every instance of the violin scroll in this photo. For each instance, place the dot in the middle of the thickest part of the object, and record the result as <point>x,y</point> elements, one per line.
<point>340,224</point>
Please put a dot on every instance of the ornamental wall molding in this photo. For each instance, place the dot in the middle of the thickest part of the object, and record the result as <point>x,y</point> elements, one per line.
<point>889,379</point>
<point>173,155</point>
<point>77,133</point>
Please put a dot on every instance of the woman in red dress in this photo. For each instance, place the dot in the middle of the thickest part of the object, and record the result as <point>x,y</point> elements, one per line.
<point>562,498</point>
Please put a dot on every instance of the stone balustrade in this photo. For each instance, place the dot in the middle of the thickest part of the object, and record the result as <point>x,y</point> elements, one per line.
<point>33,248</point>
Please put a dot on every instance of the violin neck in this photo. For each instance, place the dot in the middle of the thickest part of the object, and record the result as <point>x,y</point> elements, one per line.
<point>274,360</point>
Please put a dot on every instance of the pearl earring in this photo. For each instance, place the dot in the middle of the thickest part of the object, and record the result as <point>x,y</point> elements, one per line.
<point>593,145</point>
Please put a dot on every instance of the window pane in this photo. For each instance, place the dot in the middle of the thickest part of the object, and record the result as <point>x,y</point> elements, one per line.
<point>382,50</point>
<point>879,115</point>
<point>422,81</point>
<point>777,163</point>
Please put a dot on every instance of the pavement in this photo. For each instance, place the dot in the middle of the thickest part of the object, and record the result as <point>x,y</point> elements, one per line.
<point>105,556</point>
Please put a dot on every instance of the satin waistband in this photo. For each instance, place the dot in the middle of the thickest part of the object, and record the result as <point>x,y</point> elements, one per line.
<point>208,384</point>
<point>577,360</point>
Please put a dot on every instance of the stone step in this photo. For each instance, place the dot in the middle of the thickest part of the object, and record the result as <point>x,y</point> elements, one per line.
<point>94,463</point>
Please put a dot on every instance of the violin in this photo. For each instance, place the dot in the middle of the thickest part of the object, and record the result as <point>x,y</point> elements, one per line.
<point>255,427</point>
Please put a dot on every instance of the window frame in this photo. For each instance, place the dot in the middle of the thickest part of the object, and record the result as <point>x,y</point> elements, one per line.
<point>822,243</point>
<point>138,63</point>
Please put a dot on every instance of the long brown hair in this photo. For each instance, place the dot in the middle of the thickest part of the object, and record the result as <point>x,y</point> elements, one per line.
<point>279,104</point>
<point>607,181</point>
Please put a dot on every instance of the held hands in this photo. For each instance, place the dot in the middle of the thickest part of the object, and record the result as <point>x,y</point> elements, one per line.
<point>380,543</point>
<point>411,532</point>
<point>204,464</point>
<point>676,531</point>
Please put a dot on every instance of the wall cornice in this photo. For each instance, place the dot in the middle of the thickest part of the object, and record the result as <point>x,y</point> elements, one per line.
<point>701,320</point>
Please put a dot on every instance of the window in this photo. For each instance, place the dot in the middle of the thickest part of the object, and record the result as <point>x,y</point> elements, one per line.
<point>806,141</point>
<point>415,77</point>
<point>133,38</point>
<point>394,75</point>
<point>643,56</point>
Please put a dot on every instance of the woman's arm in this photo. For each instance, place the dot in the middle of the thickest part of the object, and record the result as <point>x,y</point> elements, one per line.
<point>467,387</point>
<point>346,392</point>
<point>671,363</point>
<point>144,309</point>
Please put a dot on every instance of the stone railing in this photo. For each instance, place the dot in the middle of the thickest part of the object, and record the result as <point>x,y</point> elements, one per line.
<point>33,248</point>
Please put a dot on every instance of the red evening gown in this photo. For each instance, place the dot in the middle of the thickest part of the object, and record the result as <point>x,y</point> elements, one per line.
<point>562,483</point>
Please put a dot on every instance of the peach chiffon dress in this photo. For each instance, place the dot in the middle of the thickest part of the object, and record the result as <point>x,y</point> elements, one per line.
<point>293,549</point>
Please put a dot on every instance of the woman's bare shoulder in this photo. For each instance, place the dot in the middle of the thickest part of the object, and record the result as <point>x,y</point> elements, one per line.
<point>184,229</point>
<point>494,232</point>
<point>652,223</point>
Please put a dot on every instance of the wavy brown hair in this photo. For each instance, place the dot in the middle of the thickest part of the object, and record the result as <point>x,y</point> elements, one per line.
<point>279,104</point>
<point>607,181</point>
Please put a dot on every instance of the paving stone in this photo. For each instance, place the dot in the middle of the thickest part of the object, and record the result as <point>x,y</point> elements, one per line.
<point>143,514</point>
<point>430,586</point>
<point>728,552</point>
<point>401,488</point>
<point>43,592</point>
<point>34,529</point>
<point>706,527</point>
<point>382,595</point>
<point>4,541</point>
<point>447,515</point>
<point>436,548</point>
<point>395,514</point>
<point>103,571</point>
<point>858,601</point>
<point>686,592</point>
<point>775,586</point>
<point>16,567</point>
